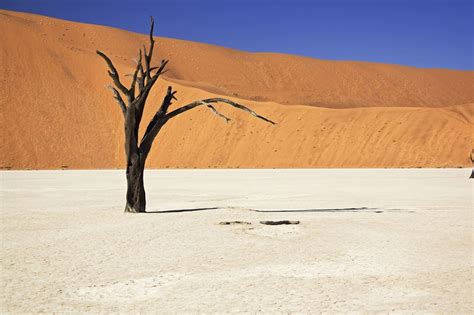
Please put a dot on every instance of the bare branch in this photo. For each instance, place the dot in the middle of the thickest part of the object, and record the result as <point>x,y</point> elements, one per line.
<point>140,100</point>
<point>215,100</point>
<point>131,92</point>
<point>152,69</point>
<point>214,110</point>
<point>161,69</point>
<point>167,101</point>
<point>152,25</point>
<point>157,121</point>
<point>163,64</point>
<point>119,99</point>
<point>113,73</point>
<point>150,53</point>
<point>161,117</point>
<point>141,79</point>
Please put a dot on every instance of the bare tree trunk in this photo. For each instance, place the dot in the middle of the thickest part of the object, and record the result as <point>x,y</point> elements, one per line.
<point>136,201</point>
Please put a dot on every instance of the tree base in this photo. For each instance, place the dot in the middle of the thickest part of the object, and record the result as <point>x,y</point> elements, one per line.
<point>131,209</point>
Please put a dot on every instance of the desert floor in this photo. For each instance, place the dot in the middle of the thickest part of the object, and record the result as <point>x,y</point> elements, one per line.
<point>368,240</point>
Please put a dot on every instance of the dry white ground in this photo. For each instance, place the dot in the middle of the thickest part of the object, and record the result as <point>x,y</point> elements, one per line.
<point>369,240</point>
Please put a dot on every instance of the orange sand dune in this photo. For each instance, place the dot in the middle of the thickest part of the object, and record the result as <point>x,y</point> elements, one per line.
<point>56,111</point>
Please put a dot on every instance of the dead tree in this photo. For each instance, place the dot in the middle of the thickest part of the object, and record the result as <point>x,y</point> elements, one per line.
<point>132,103</point>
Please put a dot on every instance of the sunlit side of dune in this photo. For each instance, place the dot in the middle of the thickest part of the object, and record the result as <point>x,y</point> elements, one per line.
<point>56,111</point>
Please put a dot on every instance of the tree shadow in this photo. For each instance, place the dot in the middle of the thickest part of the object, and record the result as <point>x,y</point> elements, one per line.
<point>360,209</point>
<point>317,210</point>
<point>184,210</point>
<point>334,210</point>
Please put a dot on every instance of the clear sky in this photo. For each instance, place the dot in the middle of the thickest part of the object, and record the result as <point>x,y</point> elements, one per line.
<point>421,33</point>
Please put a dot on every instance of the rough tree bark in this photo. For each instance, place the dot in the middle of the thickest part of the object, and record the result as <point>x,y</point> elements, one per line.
<point>145,76</point>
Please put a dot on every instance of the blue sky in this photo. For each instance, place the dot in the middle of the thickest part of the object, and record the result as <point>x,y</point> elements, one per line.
<point>421,33</point>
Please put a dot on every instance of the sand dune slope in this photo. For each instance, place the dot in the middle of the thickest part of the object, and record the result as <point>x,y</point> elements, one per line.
<point>56,111</point>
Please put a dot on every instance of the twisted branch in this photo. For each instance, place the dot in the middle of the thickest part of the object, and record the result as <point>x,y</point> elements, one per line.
<point>215,100</point>
<point>113,73</point>
<point>161,117</point>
